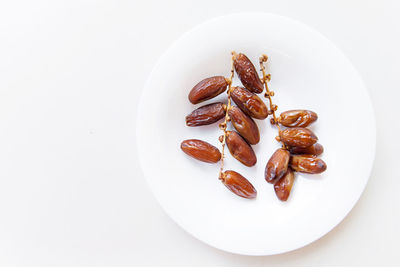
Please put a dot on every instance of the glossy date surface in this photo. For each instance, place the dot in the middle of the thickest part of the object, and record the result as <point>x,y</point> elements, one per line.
<point>277,165</point>
<point>205,115</point>
<point>298,137</point>
<point>201,150</point>
<point>249,103</point>
<point>245,125</point>
<point>307,164</point>
<point>240,149</point>
<point>207,89</point>
<point>238,184</point>
<point>247,73</point>
<point>297,118</point>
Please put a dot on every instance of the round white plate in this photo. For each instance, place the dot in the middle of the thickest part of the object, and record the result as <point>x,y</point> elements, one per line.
<point>309,72</point>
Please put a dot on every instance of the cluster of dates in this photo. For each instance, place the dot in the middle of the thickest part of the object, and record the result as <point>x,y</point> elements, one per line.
<point>298,154</point>
<point>249,106</point>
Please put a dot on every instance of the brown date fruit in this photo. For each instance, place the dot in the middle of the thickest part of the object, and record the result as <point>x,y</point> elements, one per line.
<point>249,103</point>
<point>245,125</point>
<point>238,184</point>
<point>240,149</point>
<point>298,137</point>
<point>307,164</point>
<point>201,150</point>
<point>277,165</point>
<point>205,115</point>
<point>316,149</point>
<point>207,89</point>
<point>297,118</point>
<point>284,185</point>
<point>247,73</point>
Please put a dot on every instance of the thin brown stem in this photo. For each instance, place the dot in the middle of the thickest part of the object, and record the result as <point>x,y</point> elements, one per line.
<point>223,125</point>
<point>269,94</point>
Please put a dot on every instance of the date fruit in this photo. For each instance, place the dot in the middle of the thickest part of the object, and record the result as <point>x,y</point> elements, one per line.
<point>205,115</point>
<point>307,164</point>
<point>298,137</point>
<point>277,165</point>
<point>240,149</point>
<point>245,125</point>
<point>247,73</point>
<point>297,118</point>
<point>249,103</point>
<point>201,150</point>
<point>284,185</point>
<point>207,89</point>
<point>238,184</point>
<point>316,149</point>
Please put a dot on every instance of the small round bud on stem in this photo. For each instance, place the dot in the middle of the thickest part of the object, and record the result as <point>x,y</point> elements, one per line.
<point>224,107</point>
<point>272,121</point>
<point>268,77</point>
<point>278,138</point>
<point>274,107</point>
<point>264,58</point>
<point>234,55</point>
<point>221,138</point>
<point>222,125</point>
<point>271,93</point>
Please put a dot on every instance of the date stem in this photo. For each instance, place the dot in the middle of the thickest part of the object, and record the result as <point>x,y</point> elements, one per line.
<point>223,125</point>
<point>269,94</point>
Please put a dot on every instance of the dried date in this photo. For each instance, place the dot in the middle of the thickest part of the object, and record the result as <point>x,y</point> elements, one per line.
<point>240,149</point>
<point>205,115</point>
<point>249,103</point>
<point>238,184</point>
<point>201,150</point>
<point>245,125</point>
<point>207,89</point>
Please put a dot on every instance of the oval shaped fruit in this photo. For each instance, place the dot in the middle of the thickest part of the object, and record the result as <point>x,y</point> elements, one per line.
<point>249,103</point>
<point>207,89</point>
<point>277,165</point>
<point>298,137</point>
<point>247,73</point>
<point>238,184</point>
<point>307,164</point>
<point>297,118</point>
<point>284,185</point>
<point>245,125</point>
<point>240,149</point>
<point>201,150</point>
<point>205,115</point>
<point>316,149</point>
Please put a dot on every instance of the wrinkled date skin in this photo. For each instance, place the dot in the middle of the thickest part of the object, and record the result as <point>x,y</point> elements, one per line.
<point>298,137</point>
<point>207,89</point>
<point>238,184</point>
<point>205,115</point>
<point>201,150</point>
<point>297,118</point>
<point>277,165</point>
<point>240,149</point>
<point>249,103</point>
<point>245,125</point>
<point>284,185</point>
<point>316,149</point>
<point>307,164</point>
<point>247,73</point>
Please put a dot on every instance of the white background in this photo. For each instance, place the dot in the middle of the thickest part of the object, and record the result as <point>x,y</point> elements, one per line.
<point>70,195</point>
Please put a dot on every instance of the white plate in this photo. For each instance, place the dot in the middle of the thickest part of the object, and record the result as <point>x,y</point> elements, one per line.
<point>308,71</point>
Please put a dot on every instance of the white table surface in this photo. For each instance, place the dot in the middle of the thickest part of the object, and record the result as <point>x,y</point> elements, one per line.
<point>71,73</point>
